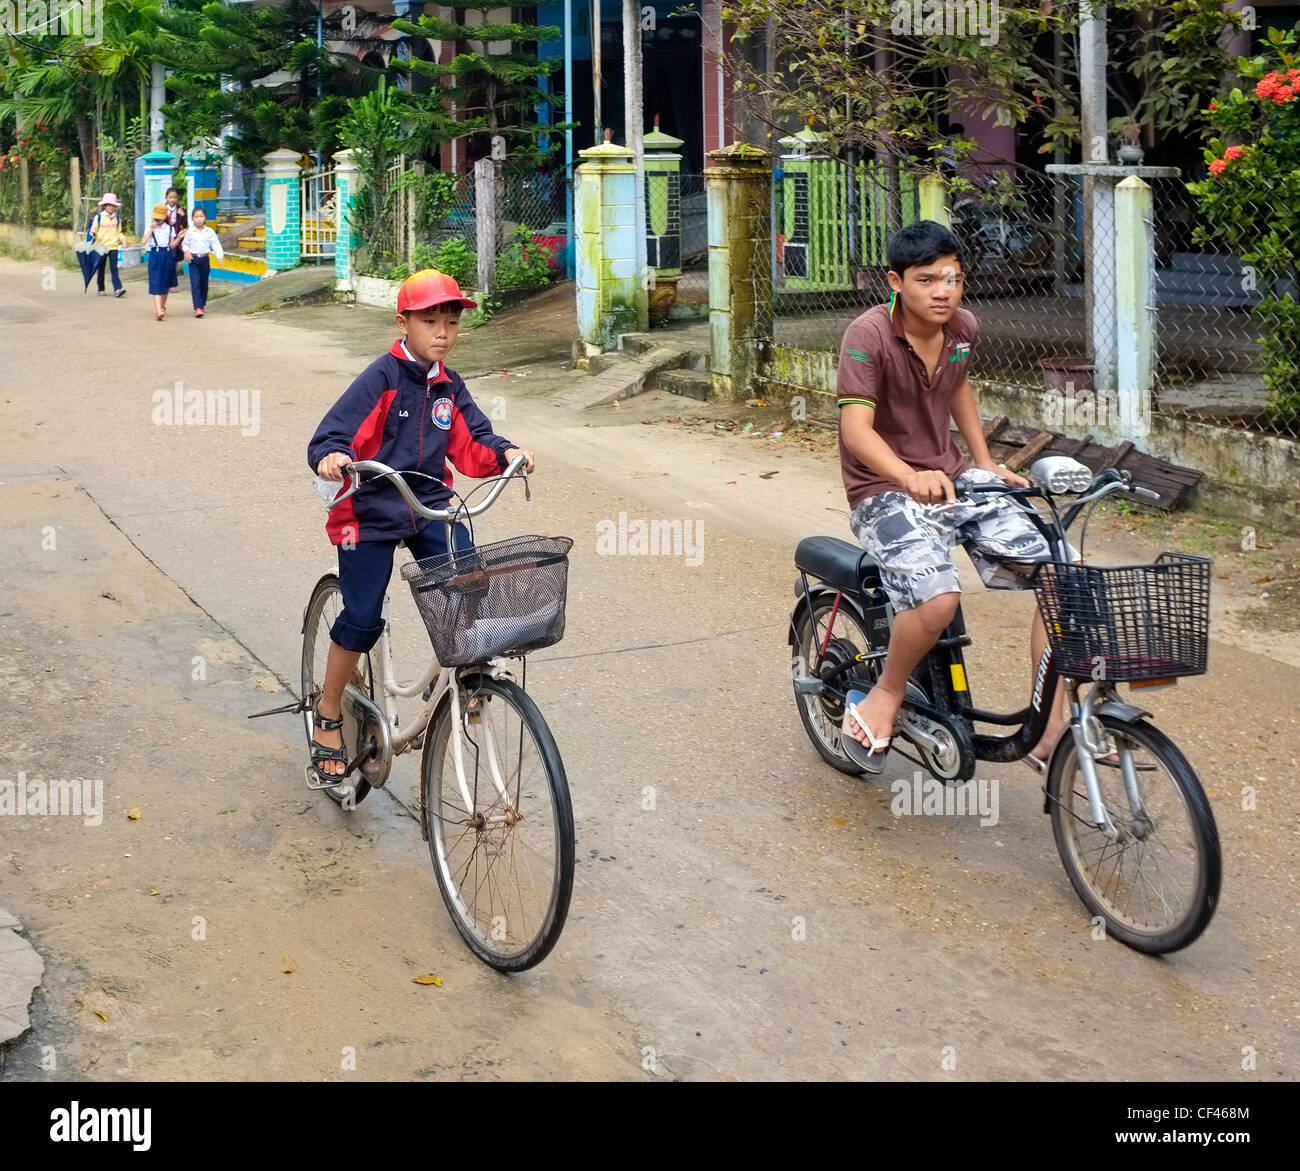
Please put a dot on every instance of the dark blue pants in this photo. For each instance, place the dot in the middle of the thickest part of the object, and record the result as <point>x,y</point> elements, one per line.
<point>110,263</point>
<point>200,267</point>
<point>364,570</point>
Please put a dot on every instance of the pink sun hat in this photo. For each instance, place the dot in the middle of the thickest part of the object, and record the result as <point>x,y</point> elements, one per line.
<point>109,197</point>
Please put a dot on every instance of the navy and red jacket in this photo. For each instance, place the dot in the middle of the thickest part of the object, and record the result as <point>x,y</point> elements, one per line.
<point>412,418</point>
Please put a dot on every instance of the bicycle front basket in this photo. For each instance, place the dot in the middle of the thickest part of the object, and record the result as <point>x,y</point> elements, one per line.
<point>1127,622</point>
<point>496,600</point>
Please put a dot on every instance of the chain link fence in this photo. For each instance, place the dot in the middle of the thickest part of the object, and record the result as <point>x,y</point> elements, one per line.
<point>433,220</point>
<point>1023,238</point>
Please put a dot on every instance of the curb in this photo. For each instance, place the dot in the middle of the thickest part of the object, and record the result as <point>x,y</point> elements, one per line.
<point>21,969</point>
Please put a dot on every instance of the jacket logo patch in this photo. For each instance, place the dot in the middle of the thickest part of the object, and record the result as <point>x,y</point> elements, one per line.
<point>403,414</point>
<point>442,414</point>
<point>960,352</point>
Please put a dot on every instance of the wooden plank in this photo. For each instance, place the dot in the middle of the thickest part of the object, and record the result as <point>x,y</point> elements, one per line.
<point>1116,455</point>
<point>1031,449</point>
<point>993,426</point>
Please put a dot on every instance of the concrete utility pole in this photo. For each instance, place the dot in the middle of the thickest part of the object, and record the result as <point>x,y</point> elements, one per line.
<point>571,244</point>
<point>599,126</point>
<point>634,119</point>
<point>1092,121</point>
<point>157,95</point>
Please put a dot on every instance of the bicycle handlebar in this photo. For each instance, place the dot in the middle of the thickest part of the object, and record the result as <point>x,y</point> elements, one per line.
<point>447,515</point>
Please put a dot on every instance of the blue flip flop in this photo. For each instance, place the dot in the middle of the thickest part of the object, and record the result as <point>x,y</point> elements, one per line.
<point>871,760</point>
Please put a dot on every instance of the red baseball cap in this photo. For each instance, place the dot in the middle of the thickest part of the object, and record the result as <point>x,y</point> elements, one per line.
<point>427,288</point>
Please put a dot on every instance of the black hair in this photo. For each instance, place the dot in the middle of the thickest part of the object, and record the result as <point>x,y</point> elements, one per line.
<point>170,190</point>
<point>922,243</point>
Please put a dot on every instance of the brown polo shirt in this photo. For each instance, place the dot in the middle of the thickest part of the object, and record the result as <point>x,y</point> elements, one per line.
<point>878,367</point>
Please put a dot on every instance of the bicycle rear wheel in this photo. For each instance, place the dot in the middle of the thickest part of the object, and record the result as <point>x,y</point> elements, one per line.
<point>1157,885</point>
<point>823,715</point>
<point>324,607</point>
<point>504,858</point>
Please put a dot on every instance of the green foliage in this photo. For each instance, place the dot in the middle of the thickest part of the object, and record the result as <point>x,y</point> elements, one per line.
<point>1250,203</point>
<point>496,93</point>
<point>47,175</point>
<point>117,169</point>
<point>523,264</point>
<point>487,309</point>
<point>246,45</point>
<point>454,257</point>
<point>875,81</point>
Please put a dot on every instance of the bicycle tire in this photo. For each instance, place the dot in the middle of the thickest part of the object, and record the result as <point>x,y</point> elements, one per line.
<point>434,759</point>
<point>1034,251</point>
<point>352,792</point>
<point>1204,898</point>
<point>820,715</point>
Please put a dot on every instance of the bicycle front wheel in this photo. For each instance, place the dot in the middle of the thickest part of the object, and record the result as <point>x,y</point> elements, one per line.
<point>500,823</point>
<point>1155,886</point>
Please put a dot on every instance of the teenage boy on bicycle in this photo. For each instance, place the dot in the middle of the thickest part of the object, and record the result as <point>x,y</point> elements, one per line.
<point>411,411</point>
<point>902,378</point>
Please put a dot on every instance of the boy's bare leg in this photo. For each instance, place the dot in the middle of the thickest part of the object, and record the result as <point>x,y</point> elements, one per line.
<point>915,631</point>
<point>1056,720</point>
<point>338,670</point>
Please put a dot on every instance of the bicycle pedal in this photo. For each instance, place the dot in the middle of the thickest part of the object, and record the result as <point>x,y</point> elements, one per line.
<point>314,782</point>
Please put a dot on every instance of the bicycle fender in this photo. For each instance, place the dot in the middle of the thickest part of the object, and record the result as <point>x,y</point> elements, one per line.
<point>302,629</point>
<point>1117,709</point>
<point>1122,711</point>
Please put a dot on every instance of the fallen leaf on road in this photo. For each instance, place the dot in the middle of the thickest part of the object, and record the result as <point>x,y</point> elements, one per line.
<point>767,475</point>
<point>841,821</point>
<point>134,813</point>
<point>287,964</point>
<point>427,978</point>
<point>154,892</point>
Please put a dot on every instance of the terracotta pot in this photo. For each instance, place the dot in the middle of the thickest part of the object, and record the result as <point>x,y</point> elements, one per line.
<point>662,298</point>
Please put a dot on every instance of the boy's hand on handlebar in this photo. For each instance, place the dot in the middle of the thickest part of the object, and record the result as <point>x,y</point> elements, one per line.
<point>331,467</point>
<point>1006,475</point>
<point>929,487</point>
<point>513,452</point>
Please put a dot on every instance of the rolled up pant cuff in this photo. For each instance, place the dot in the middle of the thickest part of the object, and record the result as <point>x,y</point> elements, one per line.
<point>354,638</point>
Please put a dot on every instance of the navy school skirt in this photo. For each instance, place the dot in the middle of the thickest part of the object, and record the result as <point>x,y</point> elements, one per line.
<point>162,270</point>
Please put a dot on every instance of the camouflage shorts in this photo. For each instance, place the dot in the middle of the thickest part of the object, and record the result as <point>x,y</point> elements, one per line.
<point>914,550</point>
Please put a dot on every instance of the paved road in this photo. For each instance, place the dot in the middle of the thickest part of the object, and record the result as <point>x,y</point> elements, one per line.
<point>768,918</point>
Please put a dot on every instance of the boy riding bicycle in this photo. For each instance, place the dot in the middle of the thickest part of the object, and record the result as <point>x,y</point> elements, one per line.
<point>902,378</point>
<point>407,409</point>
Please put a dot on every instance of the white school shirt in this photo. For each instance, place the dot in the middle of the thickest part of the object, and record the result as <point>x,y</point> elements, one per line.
<point>200,242</point>
<point>160,237</point>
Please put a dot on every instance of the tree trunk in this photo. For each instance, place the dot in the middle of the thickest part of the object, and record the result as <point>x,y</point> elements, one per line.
<point>86,146</point>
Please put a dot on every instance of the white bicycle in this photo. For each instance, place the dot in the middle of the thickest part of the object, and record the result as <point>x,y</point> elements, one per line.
<point>494,799</point>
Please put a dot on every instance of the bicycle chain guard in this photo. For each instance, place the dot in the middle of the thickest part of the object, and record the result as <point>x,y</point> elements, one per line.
<point>372,728</point>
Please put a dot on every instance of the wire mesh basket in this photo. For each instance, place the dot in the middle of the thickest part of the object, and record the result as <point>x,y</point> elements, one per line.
<point>1127,622</point>
<point>496,600</point>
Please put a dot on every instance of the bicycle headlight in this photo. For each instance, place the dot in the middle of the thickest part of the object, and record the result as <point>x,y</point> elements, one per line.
<point>1060,473</point>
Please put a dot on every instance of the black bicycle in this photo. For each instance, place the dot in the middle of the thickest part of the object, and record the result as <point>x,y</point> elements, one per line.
<point>1131,820</point>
